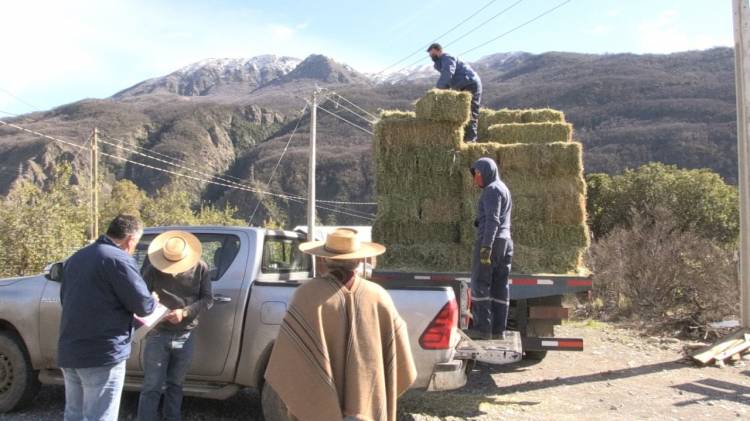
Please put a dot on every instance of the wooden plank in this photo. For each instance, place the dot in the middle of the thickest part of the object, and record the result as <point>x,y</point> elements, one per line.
<point>547,313</point>
<point>736,349</point>
<point>708,353</point>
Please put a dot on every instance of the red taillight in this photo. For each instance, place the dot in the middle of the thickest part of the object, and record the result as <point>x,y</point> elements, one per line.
<point>438,333</point>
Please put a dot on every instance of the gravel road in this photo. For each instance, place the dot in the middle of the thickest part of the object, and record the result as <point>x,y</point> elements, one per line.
<point>620,375</point>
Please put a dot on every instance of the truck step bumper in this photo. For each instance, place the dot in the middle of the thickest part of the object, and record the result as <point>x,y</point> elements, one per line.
<point>450,376</point>
<point>552,344</point>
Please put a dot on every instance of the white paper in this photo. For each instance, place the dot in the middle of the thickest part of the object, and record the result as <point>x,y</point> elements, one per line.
<point>145,324</point>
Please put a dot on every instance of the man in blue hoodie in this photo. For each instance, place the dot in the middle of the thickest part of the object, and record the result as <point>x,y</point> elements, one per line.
<point>457,75</point>
<point>493,252</point>
<point>101,290</point>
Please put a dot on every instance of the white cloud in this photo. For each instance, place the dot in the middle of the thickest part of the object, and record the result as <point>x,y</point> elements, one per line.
<point>663,35</point>
<point>281,32</point>
<point>614,12</point>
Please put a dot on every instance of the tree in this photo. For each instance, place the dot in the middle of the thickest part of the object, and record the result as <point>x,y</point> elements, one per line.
<point>39,226</point>
<point>126,197</point>
<point>169,207</point>
<point>699,200</point>
<point>210,215</point>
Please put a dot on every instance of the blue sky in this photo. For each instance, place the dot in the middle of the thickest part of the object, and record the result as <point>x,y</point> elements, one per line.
<point>55,52</point>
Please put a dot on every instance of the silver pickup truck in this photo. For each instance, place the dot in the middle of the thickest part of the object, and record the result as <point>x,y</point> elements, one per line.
<point>254,273</point>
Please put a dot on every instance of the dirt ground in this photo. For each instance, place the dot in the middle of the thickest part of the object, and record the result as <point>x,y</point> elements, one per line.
<point>620,375</point>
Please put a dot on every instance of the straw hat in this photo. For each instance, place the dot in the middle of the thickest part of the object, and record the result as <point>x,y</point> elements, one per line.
<point>174,252</point>
<point>342,244</point>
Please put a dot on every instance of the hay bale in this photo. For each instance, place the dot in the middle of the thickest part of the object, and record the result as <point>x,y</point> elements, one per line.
<point>483,123</point>
<point>427,201</point>
<point>445,105</point>
<point>505,116</point>
<point>530,133</point>
<point>396,115</point>
<point>542,115</point>
<point>436,257</point>
<point>543,160</point>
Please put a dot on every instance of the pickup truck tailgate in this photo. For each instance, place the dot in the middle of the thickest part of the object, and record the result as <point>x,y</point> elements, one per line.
<point>419,306</point>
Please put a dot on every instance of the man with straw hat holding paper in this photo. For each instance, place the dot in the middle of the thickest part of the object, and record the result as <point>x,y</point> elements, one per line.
<point>343,350</point>
<point>174,269</point>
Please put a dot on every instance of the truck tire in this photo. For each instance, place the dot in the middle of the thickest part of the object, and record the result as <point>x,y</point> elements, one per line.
<point>272,405</point>
<point>19,383</point>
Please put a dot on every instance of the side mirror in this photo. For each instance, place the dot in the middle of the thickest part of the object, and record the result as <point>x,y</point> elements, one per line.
<point>54,272</point>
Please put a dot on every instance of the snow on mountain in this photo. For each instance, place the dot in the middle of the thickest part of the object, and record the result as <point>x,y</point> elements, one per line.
<point>210,76</point>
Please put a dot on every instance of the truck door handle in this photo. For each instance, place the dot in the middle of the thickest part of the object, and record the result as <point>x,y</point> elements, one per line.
<point>222,299</point>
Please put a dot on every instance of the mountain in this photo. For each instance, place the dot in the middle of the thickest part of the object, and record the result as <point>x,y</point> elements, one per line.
<point>216,76</point>
<point>232,118</point>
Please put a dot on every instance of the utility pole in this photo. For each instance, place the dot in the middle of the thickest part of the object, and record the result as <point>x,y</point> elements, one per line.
<point>94,185</point>
<point>311,169</point>
<point>741,12</point>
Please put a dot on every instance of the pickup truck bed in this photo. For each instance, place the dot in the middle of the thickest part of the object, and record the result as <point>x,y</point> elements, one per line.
<point>535,308</point>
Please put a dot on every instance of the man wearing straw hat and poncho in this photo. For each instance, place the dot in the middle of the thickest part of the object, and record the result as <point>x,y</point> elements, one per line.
<point>343,350</point>
<point>174,269</point>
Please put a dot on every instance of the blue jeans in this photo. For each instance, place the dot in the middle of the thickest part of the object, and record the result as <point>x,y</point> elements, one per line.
<point>166,360</point>
<point>93,394</point>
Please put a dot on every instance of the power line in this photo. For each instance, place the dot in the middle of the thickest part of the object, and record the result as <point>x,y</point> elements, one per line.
<point>175,163</point>
<point>545,13</point>
<point>3,123</point>
<point>10,94</point>
<point>421,49</point>
<point>345,120</point>
<point>354,105</point>
<point>236,186</point>
<point>283,152</point>
<point>472,30</point>
<point>291,198</point>
<point>502,12</point>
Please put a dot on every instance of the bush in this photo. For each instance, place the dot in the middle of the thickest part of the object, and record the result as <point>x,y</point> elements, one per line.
<point>658,272</point>
<point>699,200</point>
<point>39,226</point>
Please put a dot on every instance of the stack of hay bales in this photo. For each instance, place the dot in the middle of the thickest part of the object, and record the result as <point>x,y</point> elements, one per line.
<point>427,203</point>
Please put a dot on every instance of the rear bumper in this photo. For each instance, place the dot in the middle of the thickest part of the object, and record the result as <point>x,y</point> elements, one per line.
<point>450,376</point>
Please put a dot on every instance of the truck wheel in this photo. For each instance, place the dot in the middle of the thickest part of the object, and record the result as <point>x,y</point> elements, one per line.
<point>272,405</point>
<point>19,383</point>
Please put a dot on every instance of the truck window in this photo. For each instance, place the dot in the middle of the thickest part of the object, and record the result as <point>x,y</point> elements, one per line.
<point>282,255</point>
<point>219,251</point>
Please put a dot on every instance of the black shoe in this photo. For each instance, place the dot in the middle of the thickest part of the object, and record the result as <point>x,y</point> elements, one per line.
<point>500,336</point>
<point>470,140</point>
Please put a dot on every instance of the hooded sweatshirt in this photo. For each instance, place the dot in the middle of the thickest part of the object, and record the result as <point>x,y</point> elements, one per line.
<point>493,212</point>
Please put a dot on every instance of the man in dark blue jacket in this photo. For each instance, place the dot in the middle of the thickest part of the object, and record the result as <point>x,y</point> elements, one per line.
<point>457,75</point>
<point>493,252</point>
<point>101,290</point>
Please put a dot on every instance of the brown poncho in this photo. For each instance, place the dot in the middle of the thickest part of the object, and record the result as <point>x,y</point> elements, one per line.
<point>341,353</point>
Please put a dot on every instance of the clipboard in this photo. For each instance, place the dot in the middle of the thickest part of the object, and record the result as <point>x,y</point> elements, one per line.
<point>145,324</point>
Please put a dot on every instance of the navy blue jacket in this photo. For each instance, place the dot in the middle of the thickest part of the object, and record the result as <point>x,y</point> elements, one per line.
<point>100,292</point>
<point>454,73</point>
<point>495,204</point>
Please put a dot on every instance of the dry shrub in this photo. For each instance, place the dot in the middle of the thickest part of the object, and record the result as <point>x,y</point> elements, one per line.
<point>656,272</point>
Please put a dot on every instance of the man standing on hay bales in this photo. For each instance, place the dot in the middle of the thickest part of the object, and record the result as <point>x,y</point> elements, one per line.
<point>457,75</point>
<point>493,252</point>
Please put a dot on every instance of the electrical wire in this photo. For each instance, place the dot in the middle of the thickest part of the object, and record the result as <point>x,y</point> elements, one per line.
<point>545,13</point>
<point>421,49</point>
<point>345,120</point>
<point>281,157</point>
